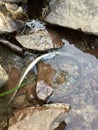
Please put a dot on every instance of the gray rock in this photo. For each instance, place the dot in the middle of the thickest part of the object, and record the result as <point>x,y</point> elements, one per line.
<point>3,76</point>
<point>47,117</point>
<point>40,40</point>
<point>75,14</point>
<point>43,91</point>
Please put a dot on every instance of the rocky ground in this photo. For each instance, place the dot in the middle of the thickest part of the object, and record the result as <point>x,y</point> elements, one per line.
<point>51,84</point>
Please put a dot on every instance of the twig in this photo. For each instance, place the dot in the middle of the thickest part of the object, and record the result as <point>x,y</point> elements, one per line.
<point>13,47</point>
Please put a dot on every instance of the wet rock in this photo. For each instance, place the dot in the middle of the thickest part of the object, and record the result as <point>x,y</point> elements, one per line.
<point>40,41</point>
<point>74,14</point>
<point>45,73</point>
<point>36,117</point>
<point>3,76</point>
<point>43,91</point>
<point>44,86</point>
<point>94,123</point>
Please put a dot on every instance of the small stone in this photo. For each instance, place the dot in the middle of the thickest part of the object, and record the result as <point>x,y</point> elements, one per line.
<point>43,91</point>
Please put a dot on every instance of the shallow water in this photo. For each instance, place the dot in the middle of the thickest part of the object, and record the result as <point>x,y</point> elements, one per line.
<point>84,98</point>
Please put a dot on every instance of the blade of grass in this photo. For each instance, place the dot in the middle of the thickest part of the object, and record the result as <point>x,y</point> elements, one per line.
<point>12,90</point>
<point>17,87</point>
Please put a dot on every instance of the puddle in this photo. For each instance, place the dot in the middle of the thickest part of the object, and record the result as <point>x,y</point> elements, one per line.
<point>68,72</point>
<point>83,99</point>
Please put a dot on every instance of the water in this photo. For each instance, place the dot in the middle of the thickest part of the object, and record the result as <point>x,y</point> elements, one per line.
<point>84,100</point>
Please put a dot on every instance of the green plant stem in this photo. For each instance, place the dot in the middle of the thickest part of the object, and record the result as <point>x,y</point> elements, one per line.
<point>12,90</point>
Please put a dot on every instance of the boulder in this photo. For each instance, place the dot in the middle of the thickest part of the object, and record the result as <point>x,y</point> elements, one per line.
<point>75,14</point>
<point>47,117</point>
<point>3,76</point>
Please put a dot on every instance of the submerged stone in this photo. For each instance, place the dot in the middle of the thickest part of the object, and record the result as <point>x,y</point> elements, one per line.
<point>43,91</point>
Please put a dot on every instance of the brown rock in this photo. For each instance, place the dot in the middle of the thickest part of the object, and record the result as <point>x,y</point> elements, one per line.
<point>45,73</point>
<point>47,117</point>
<point>40,40</point>
<point>44,87</point>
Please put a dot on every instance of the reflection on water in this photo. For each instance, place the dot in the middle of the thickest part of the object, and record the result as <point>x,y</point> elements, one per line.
<point>84,100</point>
<point>68,72</point>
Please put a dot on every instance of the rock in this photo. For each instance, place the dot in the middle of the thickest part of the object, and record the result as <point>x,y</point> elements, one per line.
<point>47,117</point>
<point>3,115</point>
<point>3,76</point>
<point>19,101</point>
<point>61,126</point>
<point>44,86</point>
<point>45,73</point>
<point>10,17</point>
<point>40,40</point>
<point>12,10</point>
<point>74,14</point>
<point>43,91</point>
<point>5,25</point>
